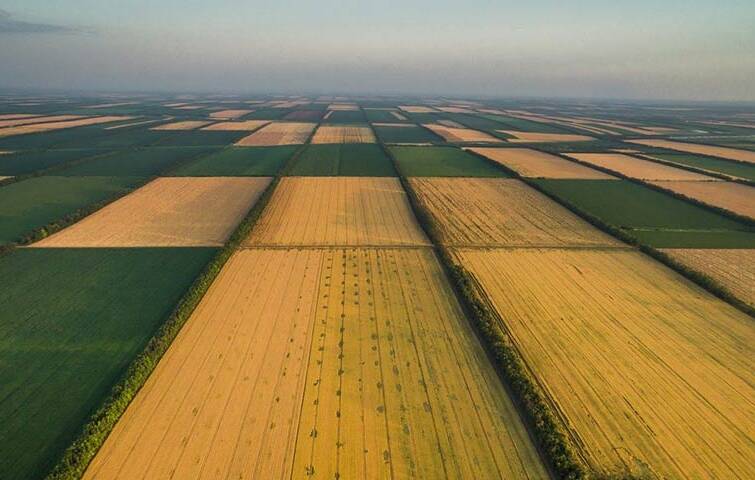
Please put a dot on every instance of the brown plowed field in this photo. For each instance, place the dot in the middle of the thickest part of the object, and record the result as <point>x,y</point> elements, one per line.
<point>343,134</point>
<point>651,373</point>
<point>536,164</point>
<point>338,211</point>
<point>637,168</point>
<point>502,212</point>
<point>461,135</point>
<point>279,133</point>
<point>722,152</point>
<point>175,211</point>
<point>732,196</point>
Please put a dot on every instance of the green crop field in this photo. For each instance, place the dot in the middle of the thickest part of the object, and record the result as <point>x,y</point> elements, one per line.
<point>345,116</point>
<point>657,218</point>
<point>72,320</point>
<point>144,162</point>
<point>194,138</point>
<point>33,203</point>
<point>238,161</point>
<point>428,161</point>
<point>382,116</point>
<point>412,134</point>
<point>521,125</point>
<point>736,169</point>
<point>21,163</point>
<point>120,138</point>
<point>343,159</point>
<point>69,138</point>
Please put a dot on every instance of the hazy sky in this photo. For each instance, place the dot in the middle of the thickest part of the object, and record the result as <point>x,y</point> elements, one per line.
<point>691,49</point>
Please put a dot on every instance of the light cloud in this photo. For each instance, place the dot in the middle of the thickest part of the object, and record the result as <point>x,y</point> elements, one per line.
<point>9,25</point>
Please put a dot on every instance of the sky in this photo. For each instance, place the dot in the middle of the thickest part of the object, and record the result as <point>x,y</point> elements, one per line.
<point>658,50</point>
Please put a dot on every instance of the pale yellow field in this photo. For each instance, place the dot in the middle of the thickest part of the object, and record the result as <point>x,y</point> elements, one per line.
<point>637,168</point>
<point>344,107</point>
<point>450,123</point>
<point>723,152</point>
<point>182,125</point>
<point>455,110</point>
<point>651,373</point>
<point>461,135</point>
<point>532,137</point>
<point>169,211</point>
<point>4,177</point>
<point>50,126</point>
<point>338,211</point>
<point>323,364</point>
<point>11,116</point>
<point>732,196</point>
<point>247,125</point>
<point>17,122</point>
<point>533,163</point>
<point>502,212</point>
<point>229,114</point>
<point>732,268</point>
<point>132,124</point>
<point>416,109</point>
<point>398,116</point>
<point>343,134</point>
<point>109,105</point>
<point>279,133</point>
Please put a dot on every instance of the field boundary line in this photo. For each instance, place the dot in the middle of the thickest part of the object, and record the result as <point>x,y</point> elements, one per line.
<point>691,168</point>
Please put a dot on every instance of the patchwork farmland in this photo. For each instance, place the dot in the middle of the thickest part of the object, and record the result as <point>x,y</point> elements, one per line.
<point>351,287</point>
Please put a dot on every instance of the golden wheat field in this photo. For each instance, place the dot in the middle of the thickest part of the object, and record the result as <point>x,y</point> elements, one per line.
<point>51,126</point>
<point>533,137</point>
<point>13,116</point>
<point>536,164</point>
<point>732,196</point>
<point>715,151</point>
<point>502,212</point>
<point>461,135</point>
<point>317,363</point>
<point>279,133</point>
<point>169,211</point>
<point>229,114</point>
<point>183,125</point>
<point>246,125</point>
<point>343,134</point>
<point>416,109</point>
<point>17,122</point>
<point>652,374</point>
<point>637,168</point>
<point>338,211</point>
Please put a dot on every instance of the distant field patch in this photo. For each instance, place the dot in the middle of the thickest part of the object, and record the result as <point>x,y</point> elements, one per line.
<point>417,109</point>
<point>405,134</point>
<point>229,114</point>
<point>343,159</point>
<point>175,212</point>
<point>21,163</point>
<point>199,138</point>
<point>145,162</point>
<point>637,168</point>
<point>344,116</point>
<point>422,161</point>
<point>731,196</point>
<point>182,125</point>
<point>727,167</point>
<point>344,107</point>
<point>303,116</point>
<point>534,137</point>
<point>535,164</point>
<point>279,133</point>
<point>17,122</point>
<point>245,126</point>
<point>238,162</point>
<point>51,126</point>
<point>343,134</point>
<point>458,134</point>
<point>714,151</point>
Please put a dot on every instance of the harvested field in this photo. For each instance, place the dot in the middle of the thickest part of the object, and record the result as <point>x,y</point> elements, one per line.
<point>343,107</point>
<point>535,164</point>
<point>652,374</point>
<point>461,135</point>
<point>430,161</point>
<point>721,152</point>
<point>229,114</point>
<point>238,162</point>
<point>17,122</point>
<point>720,166</point>
<point>279,133</point>
<point>13,116</point>
<point>637,168</point>
<point>245,126</point>
<point>735,197</point>
<point>182,125</point>
<point>534,137</point>
<point>338,211</point>
<point>502,212</point>
<point>51,126</point>
<point>417,109</point>
<point>343,134</point>
<point>341,363</point>
<point>183,211</point>
<point>733,268</point>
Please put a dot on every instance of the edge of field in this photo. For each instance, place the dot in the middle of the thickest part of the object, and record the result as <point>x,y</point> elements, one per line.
<point>77,457</point>
<point>556,450</point>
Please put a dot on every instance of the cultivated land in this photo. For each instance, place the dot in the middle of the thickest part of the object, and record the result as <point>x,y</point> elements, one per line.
<point>409,134</point>
<point>183,125</point>
<point>347,363</point>
<point>61,125</point>
<point>341,211</point>
<point>490,212</point>
<point>279,133</point>
<point>636,168</point>
<point>167,212</point>
<point>343,134</point>
<point>20,163</point>
<point>721,152</point>
<point>143,162</point>
<point>454,134</point>
<point>652,374</point>
<point>732,268</point>
<point>248,125</point>
<point>343,159</point>
<point>17,122</point>
<point>238,162</point>
<point>727,167</point>
<point>416,161</point>
<point>535,137</point>
<point>731,196</point>
<point>72,320</point>
<point>535,164</point>
<point>229,114</point>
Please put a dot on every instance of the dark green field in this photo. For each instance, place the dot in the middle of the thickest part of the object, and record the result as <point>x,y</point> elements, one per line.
<point>33,203</point>
<point>195,138</point>
<point>70,138</point>
<point>735,169</point>
<point>144,162</point>
<point>428,161</point>
<point>238,161</point>
<point>72,320</point>
<point>354,160</point>
<point>268,114</point>
<point>345,116</point>
<point>121,138</point>
<point>658,219</point>
<point>521,125</point>
<point>412,134</point>
<point>382,116</point>
<point>21,163</point>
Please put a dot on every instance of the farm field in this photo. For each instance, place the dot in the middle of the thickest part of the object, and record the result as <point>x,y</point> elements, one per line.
<point>730,196</point>
<point>337,211</point>
<point>143,162</point>
<point>487,212</point>
<point>183,125</point>
<point>632,378</point>
<point>536,164</point>
<point>279,133</point>
<point>408,134</point>
<point>637,168</point>
<point>421,161</point>
<point>353,160</point>
<point>727,167</point>
<point>453,134</point>
<point>343,134</point>
<point>167,212</point>
<point>21,163</point>
<point>534,137</point>
<point>59,125</point>
<point>247,125</point>
<point>344,116</point>
<point>714,151</point>
<point>352,343</point>
<point>72,320</point>
<point>237,162</point>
